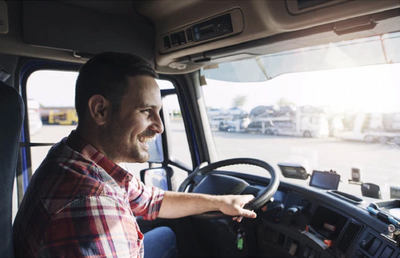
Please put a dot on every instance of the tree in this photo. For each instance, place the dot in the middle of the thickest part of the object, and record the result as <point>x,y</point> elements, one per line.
<point>285,103</point>
<point>239,101</point>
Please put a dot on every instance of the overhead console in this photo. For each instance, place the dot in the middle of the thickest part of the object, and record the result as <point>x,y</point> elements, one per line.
<point>216,27</point>
<point>210,32</point>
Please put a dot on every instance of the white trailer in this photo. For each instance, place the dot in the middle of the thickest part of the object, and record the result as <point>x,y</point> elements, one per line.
<point>298,123</point>
<point>371,128</point>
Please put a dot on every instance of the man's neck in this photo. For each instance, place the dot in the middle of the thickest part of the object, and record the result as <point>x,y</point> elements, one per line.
<point>91,136</point>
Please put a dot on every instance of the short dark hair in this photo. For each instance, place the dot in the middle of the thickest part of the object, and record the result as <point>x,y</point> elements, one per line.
<point>107,74</point>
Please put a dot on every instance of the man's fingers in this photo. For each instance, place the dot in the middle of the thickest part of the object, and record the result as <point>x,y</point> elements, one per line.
<point>244,212</point>
<point>233,206</point>
<point>248,214</point>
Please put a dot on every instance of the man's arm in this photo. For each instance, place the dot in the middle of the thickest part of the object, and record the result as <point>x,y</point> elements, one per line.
<point>176,205</point>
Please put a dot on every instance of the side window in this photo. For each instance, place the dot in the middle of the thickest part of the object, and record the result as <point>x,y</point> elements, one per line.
<point>51,111</point>
<point>52,116</point>
<point>178,141</point>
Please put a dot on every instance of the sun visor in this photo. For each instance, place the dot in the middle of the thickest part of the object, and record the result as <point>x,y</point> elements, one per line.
<point>374,50</point>
<point>59,25</point>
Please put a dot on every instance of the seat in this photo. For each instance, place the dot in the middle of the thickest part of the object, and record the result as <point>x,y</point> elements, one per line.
<point>11,117</point>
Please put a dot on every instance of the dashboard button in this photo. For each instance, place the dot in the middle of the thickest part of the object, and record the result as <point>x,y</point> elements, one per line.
<point>167,44</point>
<point>375,246</point>
<point>367,242</point>
<point>293,249</point>
<point>175,39</point>
<point>182,38</point>
<point>306,252</point>
<point>189,35</point>
<point>387,252</point>
<point>313,254</point>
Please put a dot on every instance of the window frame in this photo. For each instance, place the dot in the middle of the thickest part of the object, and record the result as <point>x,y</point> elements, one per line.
<point>25,67</point>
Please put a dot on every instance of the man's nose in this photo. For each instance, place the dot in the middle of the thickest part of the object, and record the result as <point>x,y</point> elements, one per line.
<point>157,125</point>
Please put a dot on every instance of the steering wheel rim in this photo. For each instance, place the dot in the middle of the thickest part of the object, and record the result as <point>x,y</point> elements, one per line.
<point>262,197</point>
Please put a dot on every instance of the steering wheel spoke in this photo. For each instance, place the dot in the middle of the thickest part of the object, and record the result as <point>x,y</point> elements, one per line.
<point>206,180</point>
<point>197,179</point>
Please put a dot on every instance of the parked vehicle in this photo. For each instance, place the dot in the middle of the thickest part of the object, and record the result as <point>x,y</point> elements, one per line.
<point>234,124</point>
<point>231,120</point>
<point>67,117</point>
<point>214,112</point>
<point>374,127</point>
<point>303,121</point>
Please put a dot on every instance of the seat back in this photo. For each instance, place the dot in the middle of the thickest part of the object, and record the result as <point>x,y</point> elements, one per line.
<point>11,118</point>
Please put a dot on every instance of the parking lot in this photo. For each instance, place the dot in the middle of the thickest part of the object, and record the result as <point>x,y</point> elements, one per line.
<point>378,163</point>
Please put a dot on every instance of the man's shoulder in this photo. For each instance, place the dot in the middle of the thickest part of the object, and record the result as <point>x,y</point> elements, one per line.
<point>63,177</point>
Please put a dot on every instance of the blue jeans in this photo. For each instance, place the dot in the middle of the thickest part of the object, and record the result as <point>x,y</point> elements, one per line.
<point>160,243</point>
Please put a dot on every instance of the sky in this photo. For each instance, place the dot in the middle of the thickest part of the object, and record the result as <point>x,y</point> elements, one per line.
<point>370,88</point>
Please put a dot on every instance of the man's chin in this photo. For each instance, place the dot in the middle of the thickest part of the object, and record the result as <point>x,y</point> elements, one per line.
<point>142,158</point>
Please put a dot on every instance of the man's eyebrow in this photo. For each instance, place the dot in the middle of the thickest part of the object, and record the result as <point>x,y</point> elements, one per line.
<point>150,106</point>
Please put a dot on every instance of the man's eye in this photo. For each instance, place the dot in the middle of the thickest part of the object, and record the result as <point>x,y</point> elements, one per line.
<point>146,110</point>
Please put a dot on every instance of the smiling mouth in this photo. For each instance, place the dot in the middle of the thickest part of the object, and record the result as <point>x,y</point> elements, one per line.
<point>146,139</point>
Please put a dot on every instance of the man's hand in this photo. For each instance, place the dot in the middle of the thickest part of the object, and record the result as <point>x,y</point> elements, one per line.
<point>232,205</point>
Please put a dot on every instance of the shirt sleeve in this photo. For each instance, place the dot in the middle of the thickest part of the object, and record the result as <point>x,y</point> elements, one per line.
<point>145,201</point>
<point>92,227</point>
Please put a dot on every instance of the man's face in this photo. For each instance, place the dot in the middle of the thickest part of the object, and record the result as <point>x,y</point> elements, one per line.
<point>127,132</point>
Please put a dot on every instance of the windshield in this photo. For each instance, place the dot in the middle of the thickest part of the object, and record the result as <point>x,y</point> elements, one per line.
<point>331,108</point>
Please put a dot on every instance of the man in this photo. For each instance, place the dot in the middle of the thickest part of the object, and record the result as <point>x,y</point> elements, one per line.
<point>80,203</point>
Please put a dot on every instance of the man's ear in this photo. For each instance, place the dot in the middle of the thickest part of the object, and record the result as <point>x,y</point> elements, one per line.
<point>99,108</point>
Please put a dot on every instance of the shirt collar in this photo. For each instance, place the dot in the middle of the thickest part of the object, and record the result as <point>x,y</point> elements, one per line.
<point>76,142</point>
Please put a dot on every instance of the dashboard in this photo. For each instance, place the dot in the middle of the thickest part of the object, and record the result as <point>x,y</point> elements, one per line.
<point>318,223</point>
<point>308,223</point>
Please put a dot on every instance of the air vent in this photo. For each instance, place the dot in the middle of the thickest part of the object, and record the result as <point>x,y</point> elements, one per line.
<point>308,3</point>
<point>347,237</point>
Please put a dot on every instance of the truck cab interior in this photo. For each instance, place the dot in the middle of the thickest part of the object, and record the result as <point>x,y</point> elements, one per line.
<point>293,101</point>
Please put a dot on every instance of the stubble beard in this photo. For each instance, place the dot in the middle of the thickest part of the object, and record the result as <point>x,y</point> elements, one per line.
<point>120,145</point>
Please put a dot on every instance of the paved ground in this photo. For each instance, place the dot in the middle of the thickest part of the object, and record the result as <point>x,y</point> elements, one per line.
<point>379,164</point>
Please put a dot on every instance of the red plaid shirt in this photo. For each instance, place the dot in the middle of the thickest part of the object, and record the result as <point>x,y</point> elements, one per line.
<point>81,204</point>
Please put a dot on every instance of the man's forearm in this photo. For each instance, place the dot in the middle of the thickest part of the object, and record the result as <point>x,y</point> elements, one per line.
<point>177,205</point>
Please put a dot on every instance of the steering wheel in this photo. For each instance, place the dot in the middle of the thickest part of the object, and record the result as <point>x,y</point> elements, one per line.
<point>199,178</point>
